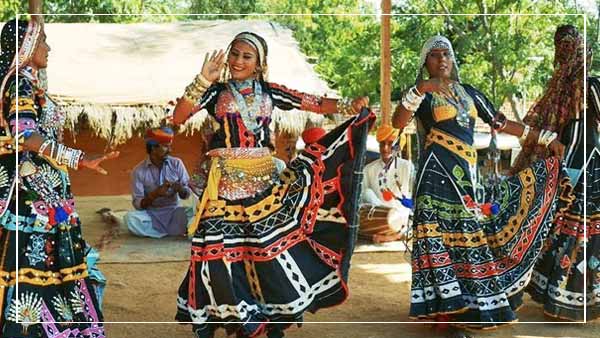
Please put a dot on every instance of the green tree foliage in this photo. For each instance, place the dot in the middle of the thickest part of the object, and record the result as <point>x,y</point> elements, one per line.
<point>98,10</point>
<point>345,48</point>
<point>8,8</point>
<point>501,55</point>
<point>223,7</point>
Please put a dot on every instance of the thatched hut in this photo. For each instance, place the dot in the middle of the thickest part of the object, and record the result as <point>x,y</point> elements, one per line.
<point>115,80</point>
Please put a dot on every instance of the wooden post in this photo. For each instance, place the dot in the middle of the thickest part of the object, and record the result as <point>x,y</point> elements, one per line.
<point>35,7</point>
<point>386,62</point>
<point>409,147</point>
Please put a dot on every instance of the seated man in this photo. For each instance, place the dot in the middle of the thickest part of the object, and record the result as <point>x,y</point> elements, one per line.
<point>157,184</point>
<point>385,220</point>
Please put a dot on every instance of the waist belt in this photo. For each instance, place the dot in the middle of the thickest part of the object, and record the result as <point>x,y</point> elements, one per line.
<point>235,173</point>
<point>453,144</point>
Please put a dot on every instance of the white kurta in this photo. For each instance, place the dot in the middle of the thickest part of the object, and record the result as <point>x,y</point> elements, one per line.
<point>400,180</point>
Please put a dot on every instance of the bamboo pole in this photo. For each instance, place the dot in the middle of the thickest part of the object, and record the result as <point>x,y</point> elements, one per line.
<point>36,7</point>
<point>386,64</point>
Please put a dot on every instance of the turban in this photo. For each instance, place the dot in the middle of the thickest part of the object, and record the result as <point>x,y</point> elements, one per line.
<point>387,133</point>
<point>160,135</point>
<point>312,135</point>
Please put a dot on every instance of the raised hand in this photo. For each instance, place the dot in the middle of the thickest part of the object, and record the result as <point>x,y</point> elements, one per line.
<point>436,85</point>
<point>93,161</point>
<point>213,65</point>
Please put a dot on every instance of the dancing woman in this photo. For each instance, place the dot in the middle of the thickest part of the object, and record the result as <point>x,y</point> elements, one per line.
<point>558,278</point>
<point>267,247</point>
<point>471,256</point>
<point>55,283</point>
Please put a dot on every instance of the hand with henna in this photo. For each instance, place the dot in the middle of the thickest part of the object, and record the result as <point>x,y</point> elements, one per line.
<point>93,161</point>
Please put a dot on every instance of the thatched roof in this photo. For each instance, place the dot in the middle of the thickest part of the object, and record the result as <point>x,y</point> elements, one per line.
<point>129,72</point>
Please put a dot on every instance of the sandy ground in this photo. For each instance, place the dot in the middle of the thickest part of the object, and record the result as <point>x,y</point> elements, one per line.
<point>379,286</point>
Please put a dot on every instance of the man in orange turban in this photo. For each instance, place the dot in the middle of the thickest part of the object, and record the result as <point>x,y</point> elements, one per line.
<point>380,186</point>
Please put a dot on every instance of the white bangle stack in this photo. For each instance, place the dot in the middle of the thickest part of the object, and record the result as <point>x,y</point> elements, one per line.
<point>62,154</point>
<point>546,137</point>
<point>44,145</point>
<point>412,99</point>
<point>523,136</point>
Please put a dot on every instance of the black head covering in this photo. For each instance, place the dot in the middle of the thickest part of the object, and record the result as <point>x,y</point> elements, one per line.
<point>27,33</point>
<point>8,37</point>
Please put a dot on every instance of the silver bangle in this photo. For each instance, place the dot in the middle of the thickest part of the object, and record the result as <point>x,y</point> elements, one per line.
<point>59,153</point>
<point>553,137</point>
<point>412,99</point>
<point>523,137</point>
<point>44,146</point>
<point>546,137</point>
<point>63,155</point>
<point>52,149</point>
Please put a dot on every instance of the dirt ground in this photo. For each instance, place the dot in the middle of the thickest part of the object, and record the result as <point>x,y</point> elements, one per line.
<point>379,292</point>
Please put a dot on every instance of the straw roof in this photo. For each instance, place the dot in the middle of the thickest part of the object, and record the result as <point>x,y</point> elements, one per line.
<point>122,76</point>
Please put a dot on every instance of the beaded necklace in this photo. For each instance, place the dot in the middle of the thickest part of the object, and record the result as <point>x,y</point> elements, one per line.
<point>460,102</point>
<point>248,114</point>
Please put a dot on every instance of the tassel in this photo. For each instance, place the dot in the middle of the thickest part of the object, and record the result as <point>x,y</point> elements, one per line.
<point>51,215</point>
<point>68,208</point>
<point>486,209</point>
<point>469,202</point>
<point>407,202</point>
<point>441,325</point>
<point>489,209</point>
<point>61,215</point>
<point>495,209</point>
<point>387,195</point>
<point>565,262</point>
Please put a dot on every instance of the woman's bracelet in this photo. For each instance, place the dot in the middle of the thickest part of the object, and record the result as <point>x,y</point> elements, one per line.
<point>523,137</point>
<point>196,89</point>
<point>546,137</point>
<point>412,99</point>
<point>62,154</point>
<point>44,145</point>
<point>344,107</point>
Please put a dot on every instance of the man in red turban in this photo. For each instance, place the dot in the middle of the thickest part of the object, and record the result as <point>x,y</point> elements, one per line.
<point>157,185</point>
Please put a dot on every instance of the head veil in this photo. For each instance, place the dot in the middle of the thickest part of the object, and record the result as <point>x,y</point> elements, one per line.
<point>28,34</point>
<point>563,97</point>
<point>260,45</point>
<point>437,42</point>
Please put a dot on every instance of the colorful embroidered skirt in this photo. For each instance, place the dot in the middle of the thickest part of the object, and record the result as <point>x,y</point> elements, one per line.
<point>55,282</point>
<point>269,258</point>
<point>467,265</point>
<point>558,278</point>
